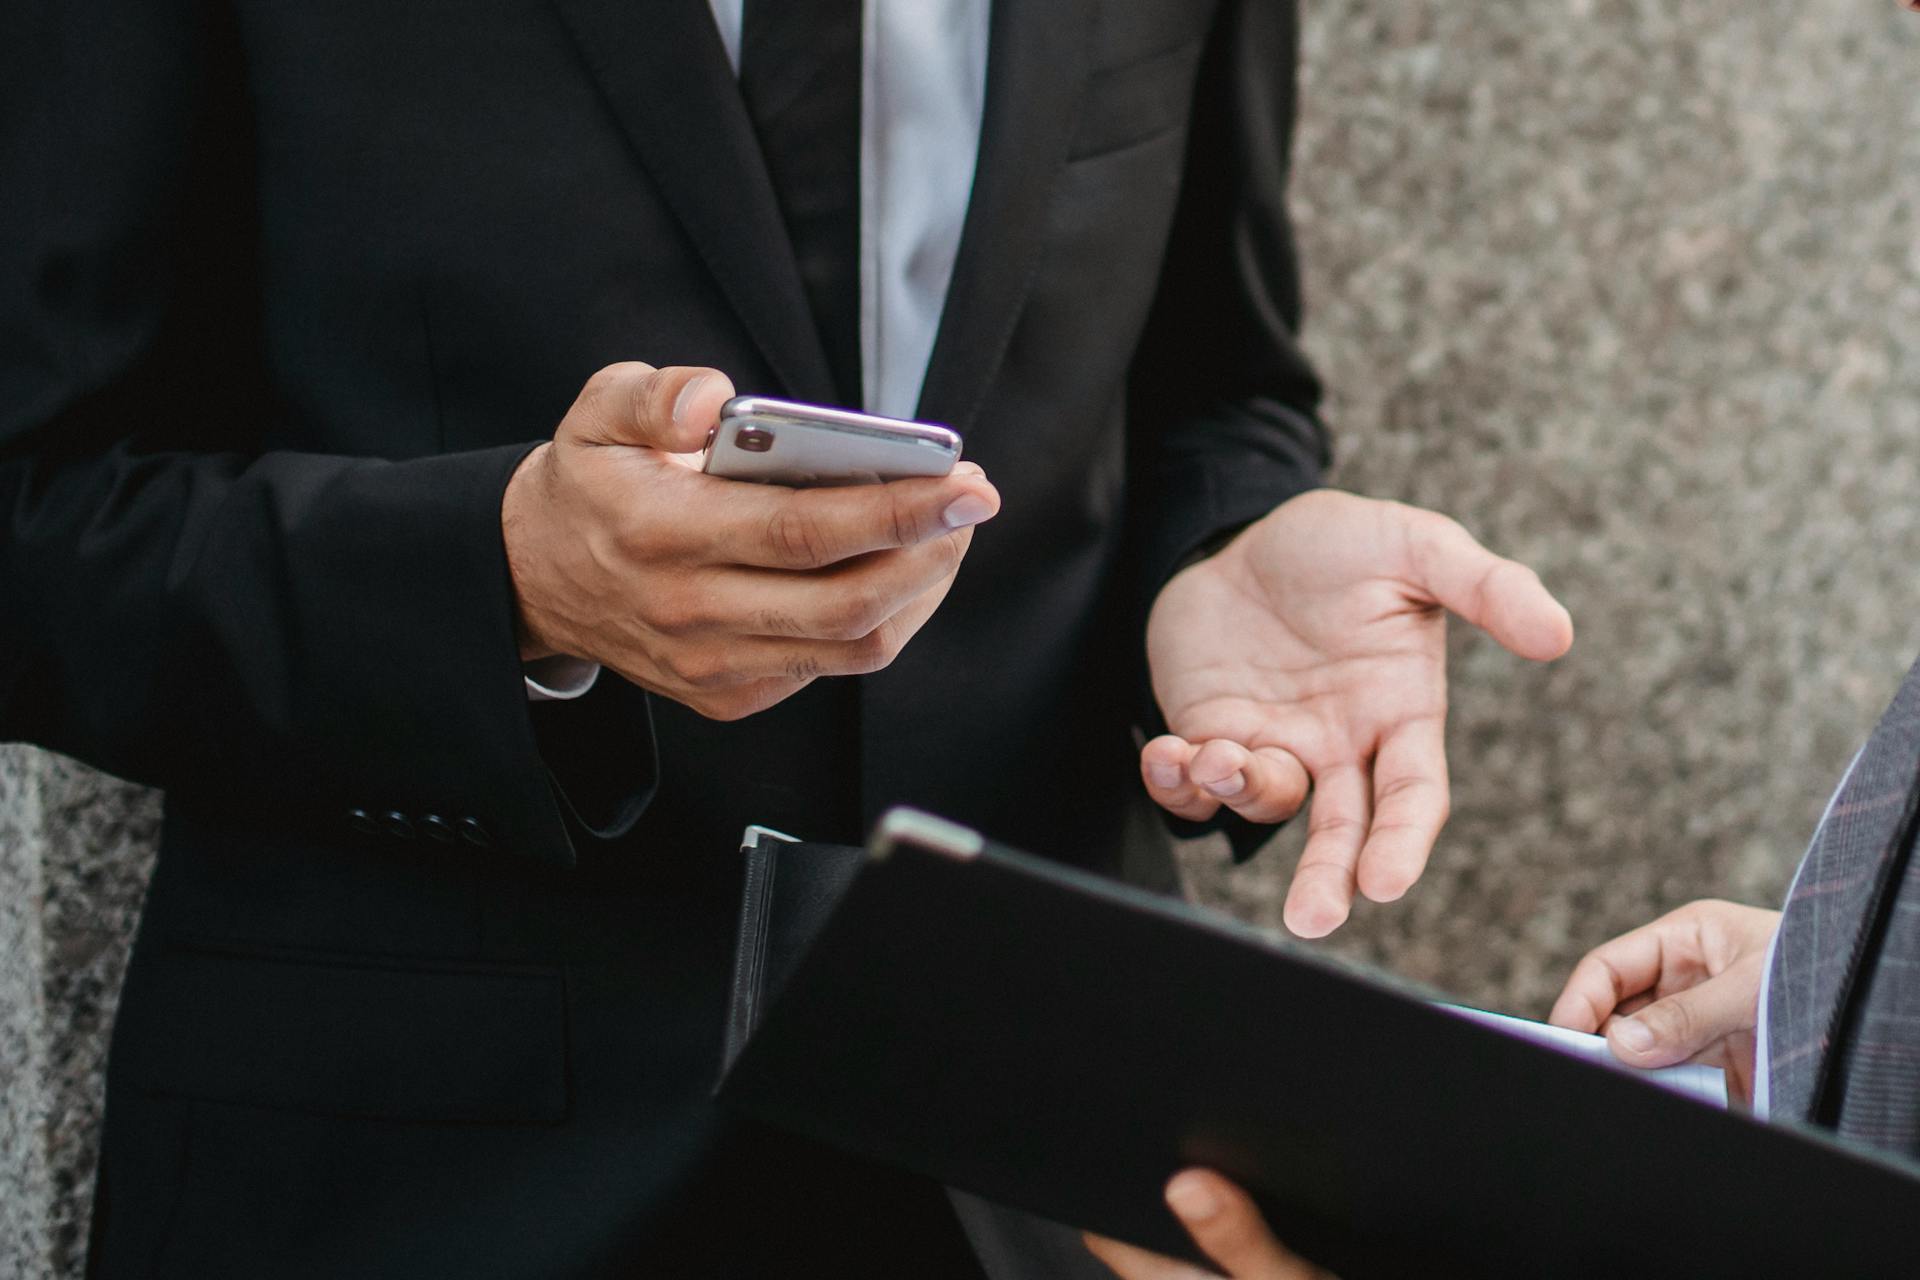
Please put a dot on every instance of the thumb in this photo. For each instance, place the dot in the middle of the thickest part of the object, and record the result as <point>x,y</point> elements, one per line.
<point>635,404</point>
<point>1685,1024</point>
<point>1224,1221</point>
<point>1502,597</point>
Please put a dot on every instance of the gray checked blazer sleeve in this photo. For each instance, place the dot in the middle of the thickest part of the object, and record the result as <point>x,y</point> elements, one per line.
<point>1843,998</point>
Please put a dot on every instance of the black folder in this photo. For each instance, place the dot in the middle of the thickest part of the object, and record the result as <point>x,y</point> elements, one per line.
<point>1062,1043</point>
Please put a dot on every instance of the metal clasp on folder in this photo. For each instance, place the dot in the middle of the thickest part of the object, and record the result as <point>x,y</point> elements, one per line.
<point>751,837</point>
<point>912,826</point>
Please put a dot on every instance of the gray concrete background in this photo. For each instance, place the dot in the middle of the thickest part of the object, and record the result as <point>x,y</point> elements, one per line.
<point>1629,288</point>
<point>1624,285</point>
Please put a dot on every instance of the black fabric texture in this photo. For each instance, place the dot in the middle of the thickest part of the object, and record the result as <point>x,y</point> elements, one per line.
<point>800,76</point>
<point>286,294</point>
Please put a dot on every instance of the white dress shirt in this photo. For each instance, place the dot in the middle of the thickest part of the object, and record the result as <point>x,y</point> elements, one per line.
<point>923,89</point>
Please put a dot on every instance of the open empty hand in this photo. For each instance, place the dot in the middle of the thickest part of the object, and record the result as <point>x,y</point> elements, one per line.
<point>1311,652</point>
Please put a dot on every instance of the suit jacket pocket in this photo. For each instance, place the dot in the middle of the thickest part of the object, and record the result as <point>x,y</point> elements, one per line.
<point>1133,103</point>
<point>345,1035</point>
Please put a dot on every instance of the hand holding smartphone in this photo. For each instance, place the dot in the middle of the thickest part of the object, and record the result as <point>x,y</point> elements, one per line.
<point>806,446</point>
<point>731,597</point>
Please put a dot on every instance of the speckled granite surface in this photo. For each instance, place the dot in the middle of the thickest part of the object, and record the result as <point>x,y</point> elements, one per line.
<point>24,1186</point>
<point>1632,289</point>
<point>1628,287</point>
<point>75,850</point>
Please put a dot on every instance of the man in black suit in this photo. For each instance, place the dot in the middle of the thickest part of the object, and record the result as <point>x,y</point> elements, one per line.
<point>459,725</point>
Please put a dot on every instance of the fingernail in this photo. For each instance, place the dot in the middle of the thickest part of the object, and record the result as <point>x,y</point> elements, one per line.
<point>686,397</point>
<point>1310,920</point>
<point>1164,775</point>
<point>1634,1036</point>
<point>968,508</point>
<point>1231,785</point>
<point>1192,1199</point>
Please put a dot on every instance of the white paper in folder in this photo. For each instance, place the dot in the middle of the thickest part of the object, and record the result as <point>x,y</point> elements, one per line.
<point>1709,1084</point>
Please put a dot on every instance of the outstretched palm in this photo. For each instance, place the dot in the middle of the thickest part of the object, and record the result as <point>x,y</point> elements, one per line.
<point>1312,651</point>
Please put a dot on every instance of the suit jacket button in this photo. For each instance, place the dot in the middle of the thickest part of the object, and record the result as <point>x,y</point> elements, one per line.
<point>475,832</point>
<point>397,825</point>
<point>438,828</point>
<point>362,821</point>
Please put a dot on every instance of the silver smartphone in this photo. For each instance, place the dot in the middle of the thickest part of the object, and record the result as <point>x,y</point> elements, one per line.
<point>806,446</point>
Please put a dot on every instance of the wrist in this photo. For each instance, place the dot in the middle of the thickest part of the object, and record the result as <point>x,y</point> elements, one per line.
<point>1213,546</point>
<point>521,516</point>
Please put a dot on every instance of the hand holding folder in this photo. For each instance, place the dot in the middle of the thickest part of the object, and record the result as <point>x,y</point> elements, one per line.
<point>1225,1222</point>
<point>1061,1043</point>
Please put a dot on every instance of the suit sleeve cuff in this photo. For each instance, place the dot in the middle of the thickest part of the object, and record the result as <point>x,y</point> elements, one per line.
<point>416,699</point>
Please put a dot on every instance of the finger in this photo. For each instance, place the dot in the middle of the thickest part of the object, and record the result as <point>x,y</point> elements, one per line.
<point>804,529</point>
<point>1609,974</point>
<point>1737,1060</point>
<point>846,601</point>
<point>669,409</point>
<point>1322,891</point>
<point>754,658</point>
<point>904,625</point>
<point>1163,767</point>
<point>1130,1262</point>
<point>748,659</point>
<point>1228,1227</point>
<point>1689,1022</point>
<point>1502,597</point>
<point>735,702</point>
<point>1410,802</point>
<point>1265,785</point>
<point>1632,1005</point>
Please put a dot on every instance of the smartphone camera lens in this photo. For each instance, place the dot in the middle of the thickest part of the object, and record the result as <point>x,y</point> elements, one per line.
<point>753,439</point>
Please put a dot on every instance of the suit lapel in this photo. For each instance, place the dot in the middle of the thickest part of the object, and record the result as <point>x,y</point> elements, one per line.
<point>665,76</point>
<point>1036,69</point>
<point>1837,908</point>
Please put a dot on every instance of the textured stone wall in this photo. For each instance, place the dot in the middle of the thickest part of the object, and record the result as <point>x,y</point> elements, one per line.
<point>1624,286</point>
<point>75,850</point>
<point>1632,290</point>
<point>23,1058</point>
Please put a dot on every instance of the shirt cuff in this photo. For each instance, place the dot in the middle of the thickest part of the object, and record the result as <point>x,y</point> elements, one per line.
<point>558,679</point>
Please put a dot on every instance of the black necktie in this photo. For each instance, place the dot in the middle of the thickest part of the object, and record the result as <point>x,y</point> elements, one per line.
<point>800,74</point>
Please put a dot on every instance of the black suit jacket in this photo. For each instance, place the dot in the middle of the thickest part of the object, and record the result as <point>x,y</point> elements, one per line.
<point>429,977</point>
